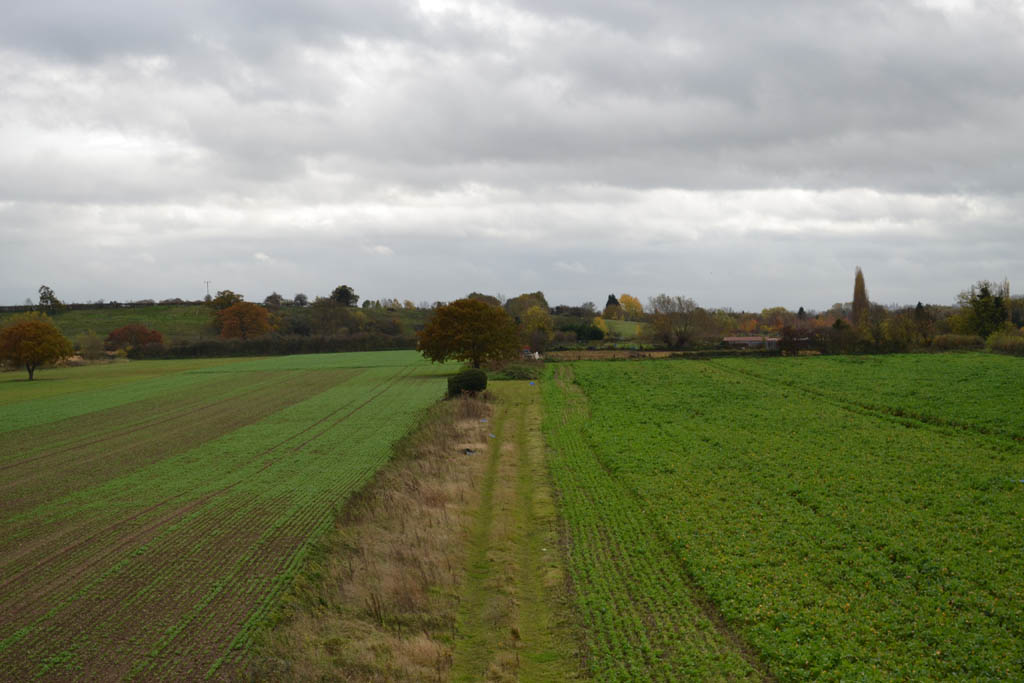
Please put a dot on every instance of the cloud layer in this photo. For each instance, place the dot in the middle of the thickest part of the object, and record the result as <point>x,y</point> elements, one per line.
<point>746,155</point>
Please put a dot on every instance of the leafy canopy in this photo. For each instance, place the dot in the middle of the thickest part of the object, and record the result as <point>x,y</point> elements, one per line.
<point>985,309</point>
<point>345,295</point>
<point>31,340</point>
<point>225,299</point>
<point>48,301</point>
<point>133,335</point>
<point>632,309</point>
<point>469,330</point>
<point>244,320</point>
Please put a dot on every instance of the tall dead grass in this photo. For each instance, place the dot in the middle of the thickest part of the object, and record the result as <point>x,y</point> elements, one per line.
<point>378,602</point>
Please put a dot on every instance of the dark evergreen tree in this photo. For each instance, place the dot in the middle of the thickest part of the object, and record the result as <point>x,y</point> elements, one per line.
<point>345,295</point>
<point>860,300</point>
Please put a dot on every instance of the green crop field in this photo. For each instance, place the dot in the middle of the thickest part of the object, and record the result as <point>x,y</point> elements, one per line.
<point>623,329</point>
<point>803,519</point>
<point>153,512</point>
<point>176,322</point>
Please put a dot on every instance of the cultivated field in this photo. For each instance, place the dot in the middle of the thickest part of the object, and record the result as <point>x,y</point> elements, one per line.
<point>176,322</point>
<point>853,518</point>
<point>153,512</point>
<point>856,518</point>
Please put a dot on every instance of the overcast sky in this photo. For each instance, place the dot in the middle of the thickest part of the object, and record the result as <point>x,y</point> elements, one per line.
<point>745,154</point>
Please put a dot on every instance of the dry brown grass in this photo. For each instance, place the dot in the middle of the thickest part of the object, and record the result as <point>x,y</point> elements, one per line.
<point>379,603</point>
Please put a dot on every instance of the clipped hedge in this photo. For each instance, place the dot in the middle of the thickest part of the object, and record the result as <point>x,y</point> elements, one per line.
<point>470,380</point>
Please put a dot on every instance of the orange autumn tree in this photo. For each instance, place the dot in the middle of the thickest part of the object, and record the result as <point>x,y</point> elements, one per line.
<point>244,320</point>
<point>469,330</point>
<point>31,340</point>
<point>133,335</point>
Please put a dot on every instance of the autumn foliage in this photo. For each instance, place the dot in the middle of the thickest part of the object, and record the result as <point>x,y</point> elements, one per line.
<point>31,340</point>
<point>133,336</point>
<point>243,320</point>
<point>632,309</point>
<point>469,330</point>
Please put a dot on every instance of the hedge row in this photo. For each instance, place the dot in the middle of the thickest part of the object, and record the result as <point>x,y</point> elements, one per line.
<point>275,345</point>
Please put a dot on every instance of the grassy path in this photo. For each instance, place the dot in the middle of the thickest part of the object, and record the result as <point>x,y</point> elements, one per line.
<point>508,623</point>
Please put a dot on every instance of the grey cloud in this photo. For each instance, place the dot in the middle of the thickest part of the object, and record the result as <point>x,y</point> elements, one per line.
<point>788,94</point>
<point>89,31</point>
<point>544,132</point>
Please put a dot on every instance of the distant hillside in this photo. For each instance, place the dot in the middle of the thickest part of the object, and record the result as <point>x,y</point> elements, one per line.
<point>623,329</point>
<point>194,322</point>
<point>177,322</point>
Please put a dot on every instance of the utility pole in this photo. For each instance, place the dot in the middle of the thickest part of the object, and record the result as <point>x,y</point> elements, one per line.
<point>207,288</point>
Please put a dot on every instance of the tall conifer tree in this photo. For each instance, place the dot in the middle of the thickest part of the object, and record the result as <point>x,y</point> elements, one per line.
<point>860,300</point>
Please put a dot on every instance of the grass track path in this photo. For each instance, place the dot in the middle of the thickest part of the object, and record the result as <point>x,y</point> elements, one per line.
<point>509,624</point>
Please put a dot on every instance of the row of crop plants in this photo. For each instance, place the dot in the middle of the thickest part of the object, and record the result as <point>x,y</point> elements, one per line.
<point>642,620</point>
<point>974,391</point>
<point>208,537</point>
<point>837,543</point>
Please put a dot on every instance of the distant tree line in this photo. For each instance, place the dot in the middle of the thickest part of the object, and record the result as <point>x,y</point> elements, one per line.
<point>274,345</point>
<point>985,315</point>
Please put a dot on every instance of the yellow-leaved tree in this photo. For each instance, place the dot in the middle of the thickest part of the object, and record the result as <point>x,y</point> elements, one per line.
<point>537,327</point>
<point>632,309</point>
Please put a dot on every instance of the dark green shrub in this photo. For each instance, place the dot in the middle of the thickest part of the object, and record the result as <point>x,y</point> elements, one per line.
<point>470,380</point>
<point>956,342</point>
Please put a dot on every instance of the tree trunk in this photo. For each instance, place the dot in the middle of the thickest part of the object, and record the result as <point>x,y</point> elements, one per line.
<point>31,370</point>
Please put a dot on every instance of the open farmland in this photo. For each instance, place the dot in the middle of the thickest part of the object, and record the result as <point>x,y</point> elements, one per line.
<point>152,512</point>
<point>844,518</point>
<point>177,322</point>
